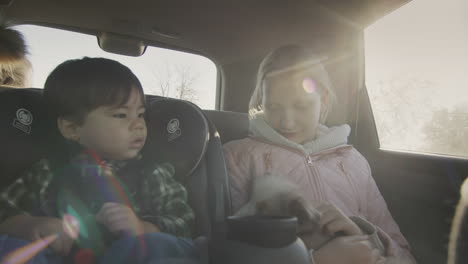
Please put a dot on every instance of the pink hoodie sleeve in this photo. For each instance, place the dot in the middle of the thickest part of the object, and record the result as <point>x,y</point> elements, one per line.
<point>377,213</point>
<point>238,172</point>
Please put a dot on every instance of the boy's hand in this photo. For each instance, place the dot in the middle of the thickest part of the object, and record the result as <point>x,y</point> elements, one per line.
<point>119,218</point>
<point>347,250</point>
<point>333,220</point>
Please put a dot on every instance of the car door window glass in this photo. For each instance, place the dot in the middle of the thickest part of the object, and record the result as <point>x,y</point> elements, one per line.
<point>416,74</point>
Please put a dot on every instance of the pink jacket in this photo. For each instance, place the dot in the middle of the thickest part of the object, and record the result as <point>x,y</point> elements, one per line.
<point>340,175</point>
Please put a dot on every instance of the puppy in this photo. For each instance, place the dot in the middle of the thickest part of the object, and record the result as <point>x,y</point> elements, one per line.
<point>272,195</point>
<point>275,196</point>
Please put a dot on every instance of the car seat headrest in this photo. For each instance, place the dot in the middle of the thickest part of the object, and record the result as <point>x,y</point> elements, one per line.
<point>178,133</point>
<point>23,120</point>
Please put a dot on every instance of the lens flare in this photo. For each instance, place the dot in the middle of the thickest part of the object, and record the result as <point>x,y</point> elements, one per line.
<point>79,222</point>
<point>71,226</point>
<point>309,85</point>
<point>23,254</point>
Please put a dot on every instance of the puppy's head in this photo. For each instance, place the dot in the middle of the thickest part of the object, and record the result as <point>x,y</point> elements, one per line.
<point>289,204</point>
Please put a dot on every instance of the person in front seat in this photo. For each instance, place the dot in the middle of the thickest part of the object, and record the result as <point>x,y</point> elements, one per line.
<point>94,199</point>
<point>287,138</point>
<point>15,67</point>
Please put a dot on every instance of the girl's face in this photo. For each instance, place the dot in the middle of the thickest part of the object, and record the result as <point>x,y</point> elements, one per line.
<point>115,132</point>
<point>292,106</point>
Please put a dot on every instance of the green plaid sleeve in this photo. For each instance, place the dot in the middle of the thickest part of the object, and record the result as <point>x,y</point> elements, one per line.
<point>24,195</point>
<point>173,214</point>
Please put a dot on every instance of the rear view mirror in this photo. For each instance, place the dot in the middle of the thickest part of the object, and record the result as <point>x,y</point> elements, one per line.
<point>121,44</point>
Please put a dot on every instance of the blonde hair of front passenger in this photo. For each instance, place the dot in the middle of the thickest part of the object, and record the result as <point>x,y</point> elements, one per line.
<point>290,58</point>
<point>15,67</point>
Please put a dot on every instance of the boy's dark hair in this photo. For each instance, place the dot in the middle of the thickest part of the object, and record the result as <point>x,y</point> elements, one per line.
<point>76,87</point>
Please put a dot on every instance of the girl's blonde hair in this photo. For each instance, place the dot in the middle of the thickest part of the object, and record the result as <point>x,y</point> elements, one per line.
<point>292,58</point>
<point>16,73</point>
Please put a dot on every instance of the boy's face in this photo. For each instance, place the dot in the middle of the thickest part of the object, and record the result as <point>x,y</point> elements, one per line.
<point>291,107</point>
<point>115,132</point>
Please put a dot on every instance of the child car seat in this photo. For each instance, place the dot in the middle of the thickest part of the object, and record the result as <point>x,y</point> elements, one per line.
<point>178,133</point>
<point>23,124</point>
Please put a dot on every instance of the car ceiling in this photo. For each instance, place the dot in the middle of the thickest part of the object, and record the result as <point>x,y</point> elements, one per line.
<point>225,31</point>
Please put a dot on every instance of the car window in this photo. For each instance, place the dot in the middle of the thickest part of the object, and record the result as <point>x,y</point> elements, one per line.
<point>416,75</point>
<point>161,71</point>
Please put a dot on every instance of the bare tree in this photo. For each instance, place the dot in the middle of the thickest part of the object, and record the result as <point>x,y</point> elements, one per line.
<point>401,107</point>
<point>409,116</point>
<point>447,131</point>
<point>164,78</point>
<point>176,81</point>
<point>185,81</point>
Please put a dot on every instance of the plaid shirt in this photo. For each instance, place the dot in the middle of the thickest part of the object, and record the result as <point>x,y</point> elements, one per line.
<point>155,195</point>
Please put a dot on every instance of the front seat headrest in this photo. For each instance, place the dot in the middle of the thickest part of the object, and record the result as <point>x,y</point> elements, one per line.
<point>178,133</point>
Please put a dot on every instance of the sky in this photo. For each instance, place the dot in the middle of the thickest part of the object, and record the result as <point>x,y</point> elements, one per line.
<point>49,47</point>
<point>425,39</point>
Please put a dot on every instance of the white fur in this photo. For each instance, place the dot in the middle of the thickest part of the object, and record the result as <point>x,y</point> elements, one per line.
<point>269,186</point>
<point>265,188</point>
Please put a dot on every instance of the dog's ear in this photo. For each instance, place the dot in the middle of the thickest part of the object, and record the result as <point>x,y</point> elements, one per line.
<point>304,213</point>
<point>263,208</point>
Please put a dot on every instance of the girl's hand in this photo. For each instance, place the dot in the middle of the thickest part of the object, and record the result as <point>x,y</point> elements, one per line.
<point>333,221</point>
<point>347,250</point>
<point>120,218</point>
